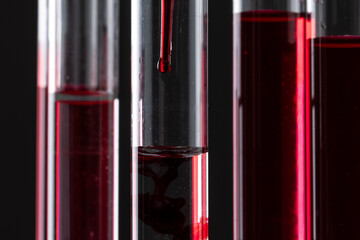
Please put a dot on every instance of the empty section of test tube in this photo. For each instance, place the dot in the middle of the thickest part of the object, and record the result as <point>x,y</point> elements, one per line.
<point>335,103</point>
<point>78,122</point>
<point>269,120</point>
<point>169,120</point>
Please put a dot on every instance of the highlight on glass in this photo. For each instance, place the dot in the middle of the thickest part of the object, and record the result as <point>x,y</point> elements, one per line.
<point>78,110</point>
<point>169,120</point>
<point>335,99</point>
<point>270,117</point>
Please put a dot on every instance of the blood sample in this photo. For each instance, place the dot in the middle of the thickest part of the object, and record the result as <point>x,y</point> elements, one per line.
<point>169,120</point>
<point>270,188</point>
<point>337,172</point>
<point>169,193</point>
<point>338,158</point>
<point>84,164</point>
<point>78,121</point>
<point>335,119</point>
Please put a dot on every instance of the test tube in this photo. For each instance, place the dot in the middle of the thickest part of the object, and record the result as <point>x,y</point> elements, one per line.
<point>271,188</point>
<point>41,127</point>
<point>80,132</point>
<point>169,120</point>
<point>335,72</point>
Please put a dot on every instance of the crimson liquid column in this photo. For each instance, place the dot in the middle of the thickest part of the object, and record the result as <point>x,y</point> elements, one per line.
<point>169,120</point>
<point>271,184</point>
<point>78,120</point>
<point>335,73</point>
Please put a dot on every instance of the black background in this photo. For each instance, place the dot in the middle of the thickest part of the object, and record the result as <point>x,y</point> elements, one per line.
<point>18,66</point>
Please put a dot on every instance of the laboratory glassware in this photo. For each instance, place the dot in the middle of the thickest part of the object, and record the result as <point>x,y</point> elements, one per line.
<point>335,76</point>
<point>270,188</point>
<point>78,122</point>
<point>169,119</point>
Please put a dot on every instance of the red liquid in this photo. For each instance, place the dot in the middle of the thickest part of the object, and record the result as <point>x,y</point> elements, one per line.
<point>167,10</point>
<point>84,166</point>
<point>41,166</point>
<point>269,116</point>
<point>172,193</point>
<point>337,136</point>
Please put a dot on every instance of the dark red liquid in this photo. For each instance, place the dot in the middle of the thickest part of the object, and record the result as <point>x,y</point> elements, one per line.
<point>167,10</point>
<point>172,193</point>
<point>84,166</point>
<point>269,118</point>
<point>337,136</point>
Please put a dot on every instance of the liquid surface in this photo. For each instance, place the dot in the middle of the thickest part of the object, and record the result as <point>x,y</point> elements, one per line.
<point>84,166</point>
<point>269,73</point>
<point>337,136</point>
<point>172,193</point>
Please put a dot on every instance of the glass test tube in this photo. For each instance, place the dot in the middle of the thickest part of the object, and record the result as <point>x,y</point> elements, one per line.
<point>169,120</point>
<point>271,192</point>
<point>79,135</point>
<point>335,72</point>
<point>41,127</point>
